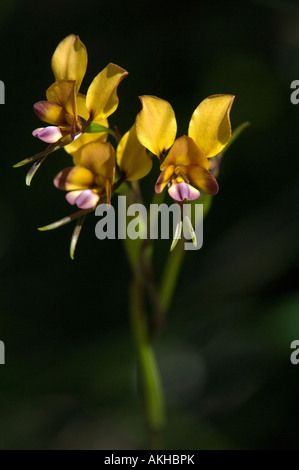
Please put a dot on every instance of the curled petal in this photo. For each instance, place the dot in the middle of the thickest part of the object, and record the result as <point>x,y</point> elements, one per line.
<point>179,191</point>
<point>201,178</point>
<point>101,97</point>
<point>86,199</point>
<point>156,125</point>
<point>99,158</point>
<point>185,152</point>
<point>50,112</point>
<point>63,93</point>
<point>132,157</point>
<point>50,134</point>
<point>164,179</point>
<point>74,178</point>
<point>210,124</point>
<point>69,60</point>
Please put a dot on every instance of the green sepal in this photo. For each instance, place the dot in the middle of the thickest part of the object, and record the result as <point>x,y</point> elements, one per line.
<point>95,128</point>
<point>65,220</point>
<point>187,223</point>
<point>177,235</point>
<point>33,170</point>
<point>75,236</point>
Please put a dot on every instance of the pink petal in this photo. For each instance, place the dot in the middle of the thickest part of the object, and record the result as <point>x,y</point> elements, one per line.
<point>181,191</point>
<point>36,131</point>
<point>85,199</point>
<point>50,134</point>
<point>72,196</point>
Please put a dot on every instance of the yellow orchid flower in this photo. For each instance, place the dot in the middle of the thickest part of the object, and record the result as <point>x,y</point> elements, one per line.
<point>92,178</point>
<point>69,112</point>
<point>186,163</point>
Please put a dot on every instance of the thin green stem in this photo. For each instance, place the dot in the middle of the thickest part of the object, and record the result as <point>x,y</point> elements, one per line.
<point>170,277</point>
<point>149,373</point>
<point>237,132</point>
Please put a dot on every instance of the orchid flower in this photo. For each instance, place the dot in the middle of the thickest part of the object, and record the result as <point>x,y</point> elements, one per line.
<point>92,179</point>
<point>186,164</point>
<point>67,111</point>
<point>70,113</point>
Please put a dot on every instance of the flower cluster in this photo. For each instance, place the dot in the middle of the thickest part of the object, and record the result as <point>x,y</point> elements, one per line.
<point>79,124</point>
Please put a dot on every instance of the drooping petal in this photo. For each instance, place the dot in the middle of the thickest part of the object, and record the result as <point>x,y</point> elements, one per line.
<point>185,152</point>
<point>156,125</point>
<point>86,199</point>
<point>69,60</point>
<point>50,113</point>
<point>164,179</point>
<point>179,191</point>
<point>74,178</point>
<point>99,158</point>
<point>50,134</point>
<point>132,157</point>
<point>201,178</point>
<point>101,97</point>
<point>63,93</point>
<point>74,147</point>
<point>210,124</point>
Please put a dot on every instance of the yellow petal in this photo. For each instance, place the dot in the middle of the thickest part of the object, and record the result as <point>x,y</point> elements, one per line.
<point>210,124</point>
<point>69,60</point>
<point>74,147</point>
<point>50,113</point>
<point>156,125</point>
<point>185,152</point>
<point>63,93</point>
<point>74,178</point>
<point>99,158</point>
<point>164,178</point>
<point>101,98</point>
<point>81,107</point>
<point>132,158</point>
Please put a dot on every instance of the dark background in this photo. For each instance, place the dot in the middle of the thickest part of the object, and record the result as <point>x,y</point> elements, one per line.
<point>69,378</point>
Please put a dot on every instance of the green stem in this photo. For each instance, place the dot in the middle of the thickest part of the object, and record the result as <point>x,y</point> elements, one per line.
<point>237,132</point>
<point>170,276</point>
<point>173,266</point>
<point>143,288</point>
<point>149,373</point>
<point>140,257</point>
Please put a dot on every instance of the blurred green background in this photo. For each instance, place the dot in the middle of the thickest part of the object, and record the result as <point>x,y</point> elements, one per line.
<point>70,381</point>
